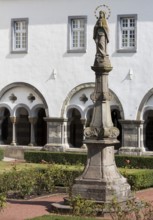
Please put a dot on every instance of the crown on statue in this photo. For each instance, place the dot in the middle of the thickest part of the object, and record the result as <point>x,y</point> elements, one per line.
<point>103,8</point>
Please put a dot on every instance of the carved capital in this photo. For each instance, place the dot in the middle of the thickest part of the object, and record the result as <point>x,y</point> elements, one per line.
<point>100,133</point>
<point>33,120</point>
<point>100,96</point>
<point>91,132</point>
<point>112,132</point>
<point>13,119</point>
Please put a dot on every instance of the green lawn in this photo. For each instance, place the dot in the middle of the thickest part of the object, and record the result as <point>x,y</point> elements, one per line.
<point>7,166</point>
<point>58,217</point>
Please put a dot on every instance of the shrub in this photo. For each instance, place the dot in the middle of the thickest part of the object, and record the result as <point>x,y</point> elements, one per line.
<point>140,162</point>
<point>139,179</point>
<point>83,207</point>
<point>69,177</point>
<point>22,183</point>
<point>2,201</point>
<point>130,209</point>
<point>52,157</point>
<point>19,183</point>
<point>35,181</point>
<point>48,178</point>
<point>1,154</point>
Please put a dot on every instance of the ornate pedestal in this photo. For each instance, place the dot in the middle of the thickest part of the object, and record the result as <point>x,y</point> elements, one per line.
<point>101,180</point>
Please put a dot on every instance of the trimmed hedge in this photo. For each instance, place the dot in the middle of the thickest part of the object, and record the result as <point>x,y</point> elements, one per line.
<point>54,157</point>
<point>139,179</point>
<point>141,162</point>
<point>137,162</point>
<point>1,154</point>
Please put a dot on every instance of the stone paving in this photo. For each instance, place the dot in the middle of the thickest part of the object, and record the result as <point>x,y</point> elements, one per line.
<point>24,209</point>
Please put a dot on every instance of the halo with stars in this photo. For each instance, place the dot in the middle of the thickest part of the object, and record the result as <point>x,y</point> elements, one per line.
<point>105,9</point>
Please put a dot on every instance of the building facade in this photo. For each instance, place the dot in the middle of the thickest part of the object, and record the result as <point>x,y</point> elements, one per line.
<point>46,53</point>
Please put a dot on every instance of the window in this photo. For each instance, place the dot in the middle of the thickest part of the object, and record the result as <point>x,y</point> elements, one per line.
<point>19,35</point>
<point>77,34</point>
<point>127,33</point>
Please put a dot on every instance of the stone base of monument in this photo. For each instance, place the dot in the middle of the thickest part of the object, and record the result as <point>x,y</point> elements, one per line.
<point>61,207</point>
<point>102,192</point>
<point>101,180</point>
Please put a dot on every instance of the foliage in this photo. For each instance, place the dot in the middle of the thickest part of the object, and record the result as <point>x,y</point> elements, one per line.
<point>55,157</point>
<point>36,181</point>
<point>69,177</point>
<point>1,154</point>
<point>48,178</point>
<point>2,201</point>
<point>138,162</point>
<point>132,209</point>
<point>140,179</point>
<point>20,183</point>
<point>27,182</point>
<point>83,207</point>
<point>43,179</point>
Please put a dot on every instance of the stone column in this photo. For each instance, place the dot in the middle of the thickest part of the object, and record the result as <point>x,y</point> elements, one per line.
<point>144,134</point>
<point>141,137</point>
<point>1,121</point>
<point>132,137</point>
<point>83,121</point>
<point>56,134</point>
<point>68,133</point>
<point>13,120</point>
<point>32,121</point>
<point>101,180</point>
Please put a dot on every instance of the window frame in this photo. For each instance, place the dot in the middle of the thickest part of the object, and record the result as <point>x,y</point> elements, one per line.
<point>70,49</point>
<point>13,47</point>
<point>121,49</point>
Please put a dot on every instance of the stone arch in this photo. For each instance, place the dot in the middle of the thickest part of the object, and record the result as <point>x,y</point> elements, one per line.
<point>88,115</point>
<point>23,101</point>
<point>79,99</point>
<point>86,110</point>
<point>84,86</point>
<point>142,108</point>
<point>35,109</point>
<point>19,106</point>
<point>71,107</point>
<point>4,106</point>
<point>117,106</point>
<point>145,114</point>
<point>71,93</point>
<point>23,84</point>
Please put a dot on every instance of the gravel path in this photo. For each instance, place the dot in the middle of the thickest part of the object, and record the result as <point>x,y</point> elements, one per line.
<point>24,209</point>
